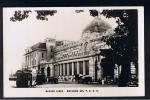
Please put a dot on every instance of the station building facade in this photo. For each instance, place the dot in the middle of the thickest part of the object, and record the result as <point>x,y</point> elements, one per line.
<point>65,59</point>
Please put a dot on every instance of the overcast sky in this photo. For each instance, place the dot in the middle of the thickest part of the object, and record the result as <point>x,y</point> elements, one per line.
<point>65,25</point>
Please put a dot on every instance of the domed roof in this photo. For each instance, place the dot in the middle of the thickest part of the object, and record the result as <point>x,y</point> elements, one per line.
<point>97,25</point>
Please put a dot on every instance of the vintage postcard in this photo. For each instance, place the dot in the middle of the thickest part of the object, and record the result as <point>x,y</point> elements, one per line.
<point>73,51</point>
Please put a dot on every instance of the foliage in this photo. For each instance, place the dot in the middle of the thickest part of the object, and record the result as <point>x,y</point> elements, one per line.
<point>42,14</point>
<point>79,11</point>
<point>123,42</point>
<point>94,13</point>
<point>20,15</point>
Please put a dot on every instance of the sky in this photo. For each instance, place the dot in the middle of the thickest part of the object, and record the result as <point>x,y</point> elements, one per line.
<point>66,24</point>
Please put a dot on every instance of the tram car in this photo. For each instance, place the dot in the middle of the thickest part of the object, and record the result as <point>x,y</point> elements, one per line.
<point>24,78</point>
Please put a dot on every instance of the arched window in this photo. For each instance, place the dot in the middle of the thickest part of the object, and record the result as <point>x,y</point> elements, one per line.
<point>42,55</point>
<point>85,46</point>
<point>48,71</point>
<point>51,48</point>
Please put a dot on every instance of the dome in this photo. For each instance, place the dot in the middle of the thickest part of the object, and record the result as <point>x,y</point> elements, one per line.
<point>97,25</point>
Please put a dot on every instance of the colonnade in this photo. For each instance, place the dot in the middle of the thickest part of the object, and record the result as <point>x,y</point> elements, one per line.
<point>72,68</point>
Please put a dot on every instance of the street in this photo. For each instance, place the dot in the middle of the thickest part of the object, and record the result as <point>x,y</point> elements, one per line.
<point>72,85</point>
<point>60,85</point>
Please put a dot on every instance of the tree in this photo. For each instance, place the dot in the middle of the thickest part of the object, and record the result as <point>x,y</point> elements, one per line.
<point>107,63</point>
<point>20,15</point>
<point>41,14</point>
<point>124,41</point>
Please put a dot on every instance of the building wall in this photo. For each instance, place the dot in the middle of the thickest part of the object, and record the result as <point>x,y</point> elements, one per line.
<point>61,61</point>
<point>75,52</point>
<point>50,46</point>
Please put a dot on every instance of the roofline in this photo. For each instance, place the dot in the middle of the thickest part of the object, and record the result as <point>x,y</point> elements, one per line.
<point>36,50</point>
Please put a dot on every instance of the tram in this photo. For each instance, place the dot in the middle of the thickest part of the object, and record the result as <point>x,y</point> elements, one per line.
<point>24,78</point>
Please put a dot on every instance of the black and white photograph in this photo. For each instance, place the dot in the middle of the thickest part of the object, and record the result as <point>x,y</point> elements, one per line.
<point>73,51</point>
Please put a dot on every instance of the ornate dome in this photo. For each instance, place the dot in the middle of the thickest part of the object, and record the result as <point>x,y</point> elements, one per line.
<point>97,25</point>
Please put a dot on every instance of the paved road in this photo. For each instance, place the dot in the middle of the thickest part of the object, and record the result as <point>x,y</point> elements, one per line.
<point>13,84</point>
<point>72,85</point>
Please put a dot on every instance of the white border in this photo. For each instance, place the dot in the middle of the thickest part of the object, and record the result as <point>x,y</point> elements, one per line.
<point>103,91</point>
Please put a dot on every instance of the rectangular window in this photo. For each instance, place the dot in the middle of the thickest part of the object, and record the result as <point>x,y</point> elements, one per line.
<point>75,68</point>
<point>86,67</point>
<point>59,70</point>
<point>42,55</point>
<point>66,69</point>
<point>70,68</point>
<point>54,70</point>
<point>62,69</point>
<point>81,67</point>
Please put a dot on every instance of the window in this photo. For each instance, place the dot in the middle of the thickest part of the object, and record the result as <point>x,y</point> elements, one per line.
<point>62,69</point>
<point>42,55</point>
<point>51,48</point>
<point>81,67</point>
<point>70,68</point>
<point>87,67</point>
<point>66,69</point>
<point>85,46</point>
<point>59,70</point>
<point>48,71</point>
<point>75,68</point>
<point>54,70</point>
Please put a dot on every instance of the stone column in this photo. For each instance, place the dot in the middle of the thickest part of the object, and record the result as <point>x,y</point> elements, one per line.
<point>29,60</point>
<point>72,68</point>
<point>51,70</point>
<point>99,76</point>
<point>68,69</point>
<point>78,67</point>
<point>60,69</point>
<point>84,67</point>
<point>64,69</point>
<point>55,72</point>
<point>91,67</point>
<point>45,69</point>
